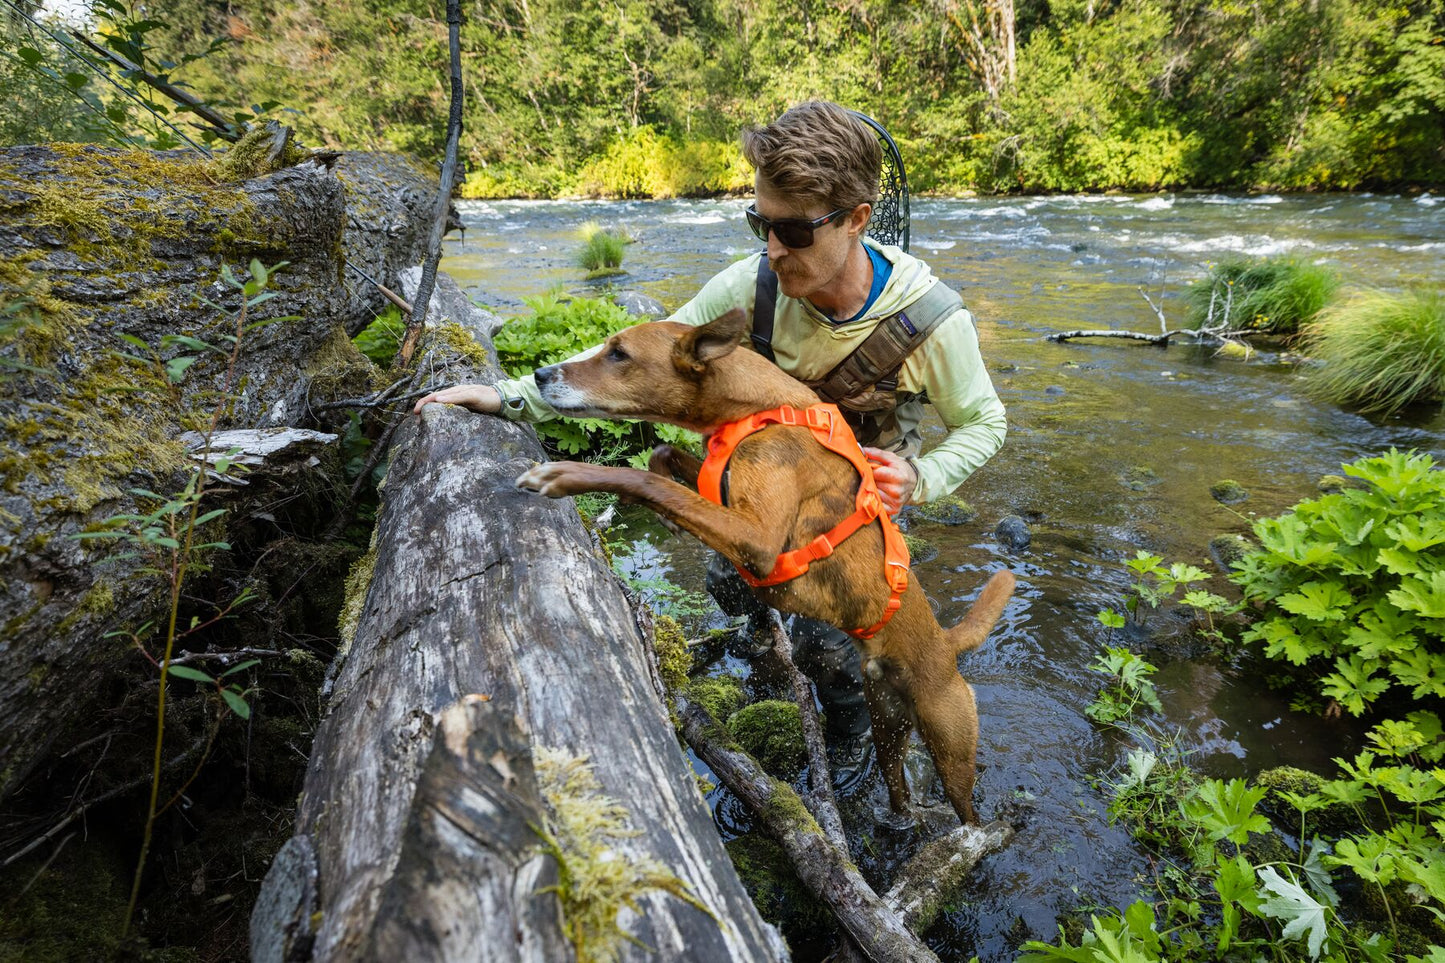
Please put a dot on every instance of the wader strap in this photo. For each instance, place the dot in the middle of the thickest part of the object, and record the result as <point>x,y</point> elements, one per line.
<point>765,302</point>
<point>877,360</point>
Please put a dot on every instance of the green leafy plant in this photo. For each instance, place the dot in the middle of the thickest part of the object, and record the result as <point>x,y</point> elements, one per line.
<point>1128,688</point>
<point>1265,295</point>
<point>555,331</point>
<point>1350,587</point>
<point>381,339</point>
<point>167,540</point>
<point>1379,351</point>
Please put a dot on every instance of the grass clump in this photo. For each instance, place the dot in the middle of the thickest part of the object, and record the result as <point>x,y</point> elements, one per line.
<point>1380,351</point>
<point>602,250</point>
<point>1263,295</point>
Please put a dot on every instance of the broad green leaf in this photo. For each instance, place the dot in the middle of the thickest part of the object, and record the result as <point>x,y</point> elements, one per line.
<point>1317,876</point>
<point>1318,601</point>
<point>1111,618</point>
<point>1226,810</point>
<point>1354,683</point>
<point>1399,561</point>
<point>1422,670</point>
<point>1423,595</point>
<point>238,705</point>
<point>1417,532</point>
<point>186,672</point>
<point>1370,857</point>
<point>1303,915</point>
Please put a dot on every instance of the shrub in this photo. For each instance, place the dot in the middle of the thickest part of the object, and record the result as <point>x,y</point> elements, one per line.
<point>555,331</point>
<point>644,163</point>
<point>1265,295</point>
<point>1380,351</point>
<point>1351,586</point>
<point>381,339</point>
<point>601,251</point>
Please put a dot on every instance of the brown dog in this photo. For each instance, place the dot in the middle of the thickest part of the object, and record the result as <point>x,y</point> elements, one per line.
<point>784,490</point>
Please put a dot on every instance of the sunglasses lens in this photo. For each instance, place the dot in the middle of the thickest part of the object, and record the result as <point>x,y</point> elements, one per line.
<point>793,234</point>
<point>756,222</point>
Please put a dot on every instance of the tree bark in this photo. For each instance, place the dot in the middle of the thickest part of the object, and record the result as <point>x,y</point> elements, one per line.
<point>478,588</point>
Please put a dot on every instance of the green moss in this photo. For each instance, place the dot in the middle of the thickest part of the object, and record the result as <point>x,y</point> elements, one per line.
<point>781,898</point>
<point>459,341</point>
<point>674,661</point>
<point>1289,779</point>
<point>251,155</point>
<point>948,510</point>
<point>357,583</point>
<point>1139,477</point>
<point>1228,492</point>
<point>772,733</point>
<point>98,600</point>
<point>786,806</point>
<point>919,549</point>
<point>720,695</point>
<point>1226,550</point>
<point>1332,484</point>
<point>596,879</point>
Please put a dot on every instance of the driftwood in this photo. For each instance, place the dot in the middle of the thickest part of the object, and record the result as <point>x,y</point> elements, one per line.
<point>478,588</point>
<point>98,242</point>
<point>822,865</point>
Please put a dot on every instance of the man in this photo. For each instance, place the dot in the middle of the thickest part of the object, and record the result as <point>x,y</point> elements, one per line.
<point>822,291</point>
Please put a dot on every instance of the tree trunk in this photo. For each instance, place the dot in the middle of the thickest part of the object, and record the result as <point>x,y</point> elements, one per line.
<point>479,589</point>
<point>96,243</point>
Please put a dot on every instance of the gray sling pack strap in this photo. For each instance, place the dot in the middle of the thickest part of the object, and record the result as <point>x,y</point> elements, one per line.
<point>875,363</point>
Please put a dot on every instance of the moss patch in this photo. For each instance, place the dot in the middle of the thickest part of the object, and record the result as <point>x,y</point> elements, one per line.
<point>597,879</point>
<point>674,661</point>
<point>948,510</point>
<point>772,733</point>
<point>1228,492</point>
<point>460,342</point>
<point>781,898</point>
<point>357,582</point>
<point>720,695</point>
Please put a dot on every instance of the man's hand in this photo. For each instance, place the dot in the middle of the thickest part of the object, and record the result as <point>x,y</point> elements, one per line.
<point>895,477</point>
<point>483,399</point>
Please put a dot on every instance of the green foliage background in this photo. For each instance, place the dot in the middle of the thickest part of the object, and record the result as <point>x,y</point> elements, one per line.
<point>632,98</point>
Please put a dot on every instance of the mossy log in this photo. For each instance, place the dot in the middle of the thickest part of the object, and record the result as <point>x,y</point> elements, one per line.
<point>96,243</point>
<point>476,588</point>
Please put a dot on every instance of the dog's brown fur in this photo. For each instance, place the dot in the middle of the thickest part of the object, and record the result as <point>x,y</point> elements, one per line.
<point>784,490</point>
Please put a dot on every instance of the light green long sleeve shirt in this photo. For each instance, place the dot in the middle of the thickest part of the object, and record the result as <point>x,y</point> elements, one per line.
<point>807,346</point>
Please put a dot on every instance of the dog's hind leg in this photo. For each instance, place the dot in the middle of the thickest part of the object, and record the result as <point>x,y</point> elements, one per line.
<point>948,722</point>
<point>891,726</point>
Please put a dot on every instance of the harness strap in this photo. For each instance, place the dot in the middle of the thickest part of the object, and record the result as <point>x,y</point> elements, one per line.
<point>877,361</point>
<point>832,432</point>
<point>765,303</point>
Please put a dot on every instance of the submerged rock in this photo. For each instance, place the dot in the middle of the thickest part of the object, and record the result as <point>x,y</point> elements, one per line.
<point>1228,492</point>
<point>1226,550</point>
<point>639,305</point>
<point>1013,534</point>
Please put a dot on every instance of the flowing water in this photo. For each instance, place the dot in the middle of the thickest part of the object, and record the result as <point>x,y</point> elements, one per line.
<point>1112,448</point>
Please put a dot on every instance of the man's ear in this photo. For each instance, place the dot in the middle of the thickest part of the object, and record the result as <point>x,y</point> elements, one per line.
<point>701,346</point>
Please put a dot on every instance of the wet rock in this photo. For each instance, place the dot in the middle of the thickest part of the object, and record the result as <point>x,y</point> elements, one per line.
<point>1228,492</point>
<point>1054,390</point>
<point>1013,533</point>
<point>1234,351</point>
<point>640,305</point>
<point>1139,477</point>
<point>1226,550</point>
<point>920,549</point>
<point>1332,484</point>
<point>948,510</point>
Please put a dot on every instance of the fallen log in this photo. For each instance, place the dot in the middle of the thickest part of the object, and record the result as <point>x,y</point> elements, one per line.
<point>476,588</point>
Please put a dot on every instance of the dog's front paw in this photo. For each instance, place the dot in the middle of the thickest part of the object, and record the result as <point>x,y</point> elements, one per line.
<point>555,479</point>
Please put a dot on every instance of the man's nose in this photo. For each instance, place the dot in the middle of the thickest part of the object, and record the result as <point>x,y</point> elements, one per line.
<point>776,248</point>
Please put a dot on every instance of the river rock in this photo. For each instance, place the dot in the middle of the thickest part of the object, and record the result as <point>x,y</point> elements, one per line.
<point>639,305</point>
<point>1228,492</point>
<point>1013,534</point>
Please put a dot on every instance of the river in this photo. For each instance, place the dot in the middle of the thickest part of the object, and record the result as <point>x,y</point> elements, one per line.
<point>1112,448</point>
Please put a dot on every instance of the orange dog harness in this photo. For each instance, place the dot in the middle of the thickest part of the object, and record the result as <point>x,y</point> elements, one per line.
<point>832,432</point>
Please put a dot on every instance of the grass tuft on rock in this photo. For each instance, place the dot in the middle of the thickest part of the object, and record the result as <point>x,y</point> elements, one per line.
<point>601,251</point>
<point>1380,352</point>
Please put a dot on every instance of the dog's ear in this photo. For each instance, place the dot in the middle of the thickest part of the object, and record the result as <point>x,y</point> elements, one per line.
<point>701,346</point>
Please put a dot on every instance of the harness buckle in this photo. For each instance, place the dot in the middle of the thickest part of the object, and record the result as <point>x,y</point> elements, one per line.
<point>788,415</point>
<point>820,548</point>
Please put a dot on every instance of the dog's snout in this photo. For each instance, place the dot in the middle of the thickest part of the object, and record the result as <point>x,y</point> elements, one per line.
<point>547,375</point>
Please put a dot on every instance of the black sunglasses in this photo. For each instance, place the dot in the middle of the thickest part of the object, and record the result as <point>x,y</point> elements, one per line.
<point>794,232</point>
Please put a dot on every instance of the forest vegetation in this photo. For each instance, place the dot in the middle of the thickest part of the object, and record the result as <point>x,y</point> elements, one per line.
<point>639,99</point>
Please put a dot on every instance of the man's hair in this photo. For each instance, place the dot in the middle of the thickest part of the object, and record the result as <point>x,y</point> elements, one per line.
<point>818,151</point>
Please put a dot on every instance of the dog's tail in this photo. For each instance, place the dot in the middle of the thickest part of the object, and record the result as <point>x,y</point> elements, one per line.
<point>973,630</point>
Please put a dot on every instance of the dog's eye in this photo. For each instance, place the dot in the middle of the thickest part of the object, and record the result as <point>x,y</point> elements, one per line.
<point>616,354</point>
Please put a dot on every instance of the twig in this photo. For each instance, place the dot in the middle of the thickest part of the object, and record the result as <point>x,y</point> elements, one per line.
<point>185,658</point>
<point>386,292</point>
<point>109,794</point>
<point>417,323</point>
<point>820,780</point>
<point>223,127</point>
